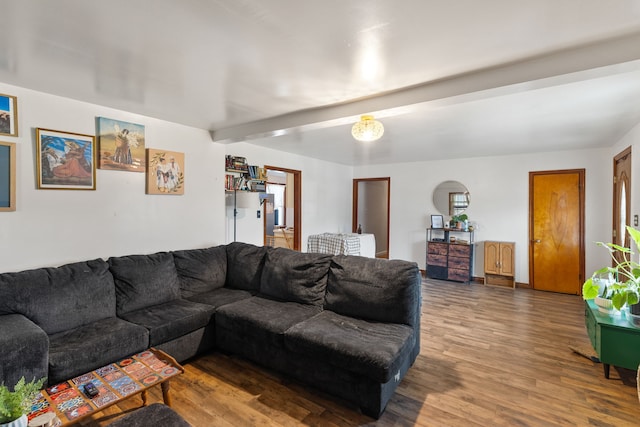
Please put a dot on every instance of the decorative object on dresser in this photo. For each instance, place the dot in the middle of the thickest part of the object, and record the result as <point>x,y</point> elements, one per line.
<point>449,254</point>
<point>499,263</point>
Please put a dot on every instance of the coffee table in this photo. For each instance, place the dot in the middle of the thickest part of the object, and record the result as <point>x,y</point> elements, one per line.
<point>115,382</point>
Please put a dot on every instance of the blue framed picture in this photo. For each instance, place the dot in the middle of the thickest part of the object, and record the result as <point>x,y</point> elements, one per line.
<point>8,115</point>
<point>7,176</point>
<point>65,160</point>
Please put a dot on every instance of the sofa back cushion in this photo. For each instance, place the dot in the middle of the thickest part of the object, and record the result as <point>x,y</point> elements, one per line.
<point>62,298</point>
<point>374,289</point>
<point>293,276</point>
<point>201,270</point>
<point>144,280</point>
<point>244,266</point>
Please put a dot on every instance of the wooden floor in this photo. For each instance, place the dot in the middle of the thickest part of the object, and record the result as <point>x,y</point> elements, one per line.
<point>490,357</point>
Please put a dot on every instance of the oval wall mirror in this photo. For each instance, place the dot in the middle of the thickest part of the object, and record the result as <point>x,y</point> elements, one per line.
<point>451,198</point>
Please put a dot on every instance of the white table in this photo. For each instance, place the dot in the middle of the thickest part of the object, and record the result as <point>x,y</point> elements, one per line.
<point>343,244</point>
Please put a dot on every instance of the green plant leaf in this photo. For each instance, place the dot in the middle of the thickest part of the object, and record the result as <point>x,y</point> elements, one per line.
<point>590,289</point>
<point>13,404</point>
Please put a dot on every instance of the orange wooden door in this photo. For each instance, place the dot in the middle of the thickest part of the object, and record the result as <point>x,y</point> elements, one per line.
<point>556,230</point>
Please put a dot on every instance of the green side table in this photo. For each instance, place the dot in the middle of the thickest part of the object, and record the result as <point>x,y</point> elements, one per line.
<point>616,341</point>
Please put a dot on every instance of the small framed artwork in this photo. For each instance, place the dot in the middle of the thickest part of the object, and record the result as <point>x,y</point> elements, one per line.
<point>7,176</point>
<point>8,115</point>
<point>165,172</point>
<point>65,160</point>
<point>437,221</point>
<point>121,145</point>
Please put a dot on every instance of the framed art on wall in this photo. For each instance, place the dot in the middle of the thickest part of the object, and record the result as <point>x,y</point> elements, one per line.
<point>8,115</point>
<point>121,145</point>
<point>437,221</point>
<point>7,176</point>
<point>65,160</point>
<point>165,172</point>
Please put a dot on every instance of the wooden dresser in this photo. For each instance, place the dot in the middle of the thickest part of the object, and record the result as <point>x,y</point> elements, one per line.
<point>449,254</point>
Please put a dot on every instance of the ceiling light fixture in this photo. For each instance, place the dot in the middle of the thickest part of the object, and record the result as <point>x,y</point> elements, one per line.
<point>367,129</point>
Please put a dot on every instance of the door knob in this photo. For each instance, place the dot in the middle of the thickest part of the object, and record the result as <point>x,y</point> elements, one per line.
<point>536,241</point>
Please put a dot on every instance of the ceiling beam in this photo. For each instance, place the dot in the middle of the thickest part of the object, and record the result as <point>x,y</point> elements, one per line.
<point>529,73</point>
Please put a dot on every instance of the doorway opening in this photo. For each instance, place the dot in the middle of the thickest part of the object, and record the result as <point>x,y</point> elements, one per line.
<point>371,205</point>
<point>286,185</point>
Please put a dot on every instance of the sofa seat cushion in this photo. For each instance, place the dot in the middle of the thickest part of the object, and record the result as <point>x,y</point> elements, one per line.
<point>261,319</point>
<point>92,346</point>
<point>293,276</point>
<point>219,297</point>
<point>144,280</point>
<point>25,350</point>
<point>374,289</point>
<point>201,270</point>
<point>60,298</point>
<point>171,320</point>
<point>372,349</point>
<point>244,266</point>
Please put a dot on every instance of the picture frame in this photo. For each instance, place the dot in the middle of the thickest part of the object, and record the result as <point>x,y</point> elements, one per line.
<point>165,172</point>
<point>7,176</point>
<point>121,145</point>
<point>8,115</point>
<point>437,221</point>
<point>65,160</point>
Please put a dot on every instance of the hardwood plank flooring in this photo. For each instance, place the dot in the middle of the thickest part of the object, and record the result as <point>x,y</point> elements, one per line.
<point>490,357</point>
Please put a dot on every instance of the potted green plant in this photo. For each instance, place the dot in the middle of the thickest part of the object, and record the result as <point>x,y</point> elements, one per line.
<point>458,220</point>
<point>619,283</point>
<point>14,405</point>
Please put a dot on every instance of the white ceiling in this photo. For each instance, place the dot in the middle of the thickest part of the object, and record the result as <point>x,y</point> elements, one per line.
<point>460,78</point>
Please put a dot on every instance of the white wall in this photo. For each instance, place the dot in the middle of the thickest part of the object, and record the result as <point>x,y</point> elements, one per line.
<point>52,227</point>
<point>326,187</point>
<point>499,201</point>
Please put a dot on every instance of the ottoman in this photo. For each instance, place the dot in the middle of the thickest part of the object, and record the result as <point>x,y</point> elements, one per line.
<point>154,415</point>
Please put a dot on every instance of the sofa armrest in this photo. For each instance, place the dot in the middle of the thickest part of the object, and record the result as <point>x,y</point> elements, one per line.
<point>25,350</point>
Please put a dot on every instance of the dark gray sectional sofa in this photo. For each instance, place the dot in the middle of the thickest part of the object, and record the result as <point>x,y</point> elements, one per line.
<point>346,325</point>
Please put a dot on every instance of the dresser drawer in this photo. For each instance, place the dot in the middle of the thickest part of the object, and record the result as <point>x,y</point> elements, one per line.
<point>438,248</point>
<point>439,260</point>
<point>460,250</point>
<point>459,263</point>
<point>458,275</point>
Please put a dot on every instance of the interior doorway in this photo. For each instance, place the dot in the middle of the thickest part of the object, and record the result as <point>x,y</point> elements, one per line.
<point>287,208</point>
<point>621,199</point>
<point>556,230</point>
<point>371,203</point>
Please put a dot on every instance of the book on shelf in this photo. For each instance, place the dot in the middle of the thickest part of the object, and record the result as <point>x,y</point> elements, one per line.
<point>235,163</point>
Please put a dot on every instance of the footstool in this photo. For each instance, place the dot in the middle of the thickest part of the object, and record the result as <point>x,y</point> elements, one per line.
<point>154,415</point>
